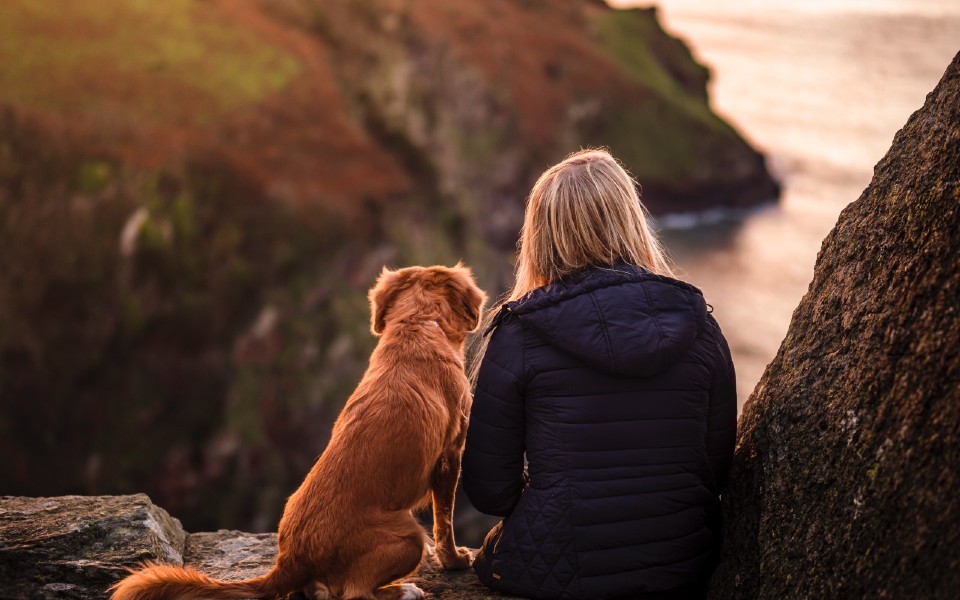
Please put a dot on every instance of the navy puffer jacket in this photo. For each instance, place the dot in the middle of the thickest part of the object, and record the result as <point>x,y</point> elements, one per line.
<point>618,388</point>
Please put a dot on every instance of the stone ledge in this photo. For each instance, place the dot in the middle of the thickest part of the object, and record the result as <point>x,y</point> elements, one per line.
<point>78,546</point>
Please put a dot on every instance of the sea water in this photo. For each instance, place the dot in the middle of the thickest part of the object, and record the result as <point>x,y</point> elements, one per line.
<point>822,87</point>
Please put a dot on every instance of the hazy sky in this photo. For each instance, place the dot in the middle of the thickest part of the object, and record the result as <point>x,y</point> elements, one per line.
<point>925,7</point>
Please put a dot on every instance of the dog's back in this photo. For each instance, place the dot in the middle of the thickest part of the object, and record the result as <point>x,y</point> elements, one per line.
<point>348,531</point>
<point>386,440</point>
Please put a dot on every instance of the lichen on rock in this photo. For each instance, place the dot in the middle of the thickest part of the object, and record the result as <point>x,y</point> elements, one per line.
<point>845,478</point>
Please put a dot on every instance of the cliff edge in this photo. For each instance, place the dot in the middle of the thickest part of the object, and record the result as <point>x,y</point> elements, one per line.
<point>78,546</point>
<point>845,479</point>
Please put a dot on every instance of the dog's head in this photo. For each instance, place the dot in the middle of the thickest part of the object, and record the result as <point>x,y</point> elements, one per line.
<point>447,295</point>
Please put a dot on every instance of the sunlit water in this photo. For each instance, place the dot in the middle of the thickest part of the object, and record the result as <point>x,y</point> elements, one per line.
<point>822,87</point>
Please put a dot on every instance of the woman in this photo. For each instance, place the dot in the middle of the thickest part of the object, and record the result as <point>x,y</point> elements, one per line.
<point>615,384</point>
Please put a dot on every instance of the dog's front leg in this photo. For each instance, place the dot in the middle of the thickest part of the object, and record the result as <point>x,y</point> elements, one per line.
<point>445,476</point>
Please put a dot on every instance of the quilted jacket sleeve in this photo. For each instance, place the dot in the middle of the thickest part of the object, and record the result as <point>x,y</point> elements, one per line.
<point>493,457</point>
<point>722,418</point>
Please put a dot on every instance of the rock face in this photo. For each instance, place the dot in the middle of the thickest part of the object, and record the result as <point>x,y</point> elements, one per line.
<point>476,99</point>
<point>77,546</point>
<point>845,480</point>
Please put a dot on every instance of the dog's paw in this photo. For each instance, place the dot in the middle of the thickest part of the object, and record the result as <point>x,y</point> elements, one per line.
<point>317,591</point>
<point>408,591</point>
<point>460,558</point>
<point>411,592</point>
<point>399,591</point>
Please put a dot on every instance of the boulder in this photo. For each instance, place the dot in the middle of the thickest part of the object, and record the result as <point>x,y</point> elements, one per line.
<point>77,547</point>
<point>231,555</point>
<point>845,478</point>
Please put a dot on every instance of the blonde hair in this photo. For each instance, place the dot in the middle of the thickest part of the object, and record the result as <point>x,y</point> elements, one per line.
<point>582,212</point>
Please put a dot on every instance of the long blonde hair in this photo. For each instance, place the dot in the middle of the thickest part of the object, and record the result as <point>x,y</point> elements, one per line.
<point>583,211</point>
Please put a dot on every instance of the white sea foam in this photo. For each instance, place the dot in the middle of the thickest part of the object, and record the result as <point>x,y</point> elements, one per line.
<point>712,216</point>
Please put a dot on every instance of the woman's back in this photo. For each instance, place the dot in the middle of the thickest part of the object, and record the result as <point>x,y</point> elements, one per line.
<point>618,386</point>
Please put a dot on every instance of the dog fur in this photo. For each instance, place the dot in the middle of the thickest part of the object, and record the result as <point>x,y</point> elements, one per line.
<point>348,531</point>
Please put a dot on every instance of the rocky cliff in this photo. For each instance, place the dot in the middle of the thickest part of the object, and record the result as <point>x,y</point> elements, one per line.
<point>76,547</point>
<point>845,479</point>
<point>845,476</point>
<point>195,195</point>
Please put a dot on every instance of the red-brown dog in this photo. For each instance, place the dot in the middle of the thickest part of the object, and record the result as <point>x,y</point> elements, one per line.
<point>348,531</point>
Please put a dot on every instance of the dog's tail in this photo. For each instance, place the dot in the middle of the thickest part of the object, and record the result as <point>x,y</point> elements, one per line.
<point>166,582</point>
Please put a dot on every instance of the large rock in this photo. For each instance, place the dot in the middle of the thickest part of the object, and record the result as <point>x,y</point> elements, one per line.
<point>231,555</point>
<point>76,547</point>
<point>845,480</point>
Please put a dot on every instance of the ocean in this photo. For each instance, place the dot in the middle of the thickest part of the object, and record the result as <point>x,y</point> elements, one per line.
<point>821,87</point>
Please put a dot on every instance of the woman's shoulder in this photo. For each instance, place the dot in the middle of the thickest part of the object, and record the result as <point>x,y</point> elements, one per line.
<point>505,339</point>
<point>593,278</point>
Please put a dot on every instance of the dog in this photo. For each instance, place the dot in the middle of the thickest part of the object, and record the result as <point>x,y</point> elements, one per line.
<point>348,532</point>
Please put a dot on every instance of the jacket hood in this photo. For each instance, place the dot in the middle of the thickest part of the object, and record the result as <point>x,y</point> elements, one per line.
<point>621,320</point>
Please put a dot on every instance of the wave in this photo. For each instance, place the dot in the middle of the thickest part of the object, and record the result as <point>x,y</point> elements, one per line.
<point>711,216</point>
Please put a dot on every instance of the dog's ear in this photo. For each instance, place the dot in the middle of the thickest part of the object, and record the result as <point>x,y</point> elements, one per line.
<point>464,297</point>
<point>382,296</point>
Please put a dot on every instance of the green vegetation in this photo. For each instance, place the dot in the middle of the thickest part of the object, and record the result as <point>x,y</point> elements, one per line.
<point>662,63</point>
<point>655,143</point>
<point>93,176</point>
<point>174,60</point>
<point>673,128</point>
